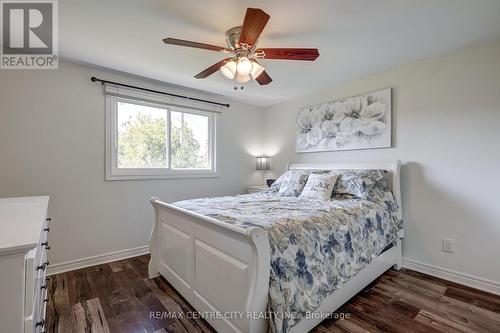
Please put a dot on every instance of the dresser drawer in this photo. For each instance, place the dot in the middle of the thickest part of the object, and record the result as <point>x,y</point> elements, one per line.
<point>36,322</point>
<point>36,263</point>
<point>23,224</point>
<point>36,285</point>
<point>35,290</point>
<point>39,312</point>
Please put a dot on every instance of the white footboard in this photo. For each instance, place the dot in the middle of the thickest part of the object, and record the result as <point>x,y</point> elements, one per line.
<point>217,267</point>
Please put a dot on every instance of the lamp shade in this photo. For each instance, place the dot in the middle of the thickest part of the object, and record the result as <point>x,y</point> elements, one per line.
<point>229,69</point>
<point>240,78</point>
<point>244,66</point>
<point>257,69</point>
<point>263,163</point>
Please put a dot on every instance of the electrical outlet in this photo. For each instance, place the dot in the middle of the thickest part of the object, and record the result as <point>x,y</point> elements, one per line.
<point>448,245</point>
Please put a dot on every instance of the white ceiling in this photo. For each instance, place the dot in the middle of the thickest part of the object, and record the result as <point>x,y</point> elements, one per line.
<point>354,38</point>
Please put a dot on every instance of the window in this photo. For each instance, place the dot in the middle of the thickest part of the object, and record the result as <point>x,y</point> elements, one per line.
<point>150,140</point>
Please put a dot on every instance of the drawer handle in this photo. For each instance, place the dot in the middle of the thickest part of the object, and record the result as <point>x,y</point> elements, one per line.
<point>46,300</point>
<point>48,219</point>
<point>43,266</point>
<point>43,287</point>
<point>47,247</point>
<point>47,229</point>
<point>44,243</point>
<point>40,323</point>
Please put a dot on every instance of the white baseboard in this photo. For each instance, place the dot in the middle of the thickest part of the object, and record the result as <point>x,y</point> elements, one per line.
<point>454,276</point>
<point>96,260</point>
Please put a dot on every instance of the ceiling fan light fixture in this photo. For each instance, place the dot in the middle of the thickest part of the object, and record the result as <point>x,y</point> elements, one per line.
<point>229,69</point>
<point>257,69</point>
<point>241,52</point>
<point>242,78</point>
<point>244,66</point>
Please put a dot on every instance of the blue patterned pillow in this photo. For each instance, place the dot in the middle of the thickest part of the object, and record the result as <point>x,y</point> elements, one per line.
<point>291,183</point>
<point>277,184</point>
<point>360,183</point>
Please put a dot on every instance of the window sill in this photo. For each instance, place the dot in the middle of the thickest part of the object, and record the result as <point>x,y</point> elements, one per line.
<point>164,176</point>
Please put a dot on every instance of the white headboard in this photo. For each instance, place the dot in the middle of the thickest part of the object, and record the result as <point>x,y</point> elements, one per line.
<point>392,167</point>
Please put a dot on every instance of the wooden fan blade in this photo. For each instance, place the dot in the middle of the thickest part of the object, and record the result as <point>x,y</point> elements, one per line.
<point>253,24</point>
<point>212,69</point>
<point>288,53</point>
<point>188,43</point>
<point>263,78</point>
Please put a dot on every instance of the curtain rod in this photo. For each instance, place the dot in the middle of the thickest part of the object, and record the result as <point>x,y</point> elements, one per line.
<point>94,79</point>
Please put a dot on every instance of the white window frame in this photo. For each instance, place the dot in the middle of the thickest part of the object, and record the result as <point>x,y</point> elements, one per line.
<point>115,173</point>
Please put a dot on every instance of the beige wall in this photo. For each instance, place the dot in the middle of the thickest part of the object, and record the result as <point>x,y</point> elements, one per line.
<point>52,142</point>
<point>446,120</point>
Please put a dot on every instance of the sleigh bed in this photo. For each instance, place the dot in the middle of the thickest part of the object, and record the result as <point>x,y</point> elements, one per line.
<point>231,273</point>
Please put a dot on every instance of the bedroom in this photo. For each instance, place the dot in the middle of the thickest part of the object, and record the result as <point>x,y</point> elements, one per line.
<point>389,110</point>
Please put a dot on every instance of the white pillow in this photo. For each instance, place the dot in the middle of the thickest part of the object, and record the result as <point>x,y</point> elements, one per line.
<point>319,186</point>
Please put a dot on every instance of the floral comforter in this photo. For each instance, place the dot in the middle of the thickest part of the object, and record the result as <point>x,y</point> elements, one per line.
<point>316,246</point>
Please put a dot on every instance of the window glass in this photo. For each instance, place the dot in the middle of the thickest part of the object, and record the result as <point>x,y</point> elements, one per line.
<point>142,133</point>
<point>189,141</point>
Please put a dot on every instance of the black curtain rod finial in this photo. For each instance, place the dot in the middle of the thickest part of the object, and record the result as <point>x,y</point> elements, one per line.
<point>94,79</point>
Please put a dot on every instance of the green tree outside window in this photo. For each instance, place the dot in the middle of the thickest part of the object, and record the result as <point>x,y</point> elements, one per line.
<point>142,144</point>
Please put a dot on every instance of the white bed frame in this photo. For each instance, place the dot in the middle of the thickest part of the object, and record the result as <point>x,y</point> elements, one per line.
<point>223,270</point>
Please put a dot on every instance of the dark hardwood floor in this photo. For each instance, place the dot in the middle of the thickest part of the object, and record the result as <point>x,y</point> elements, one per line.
<point>119,297</point>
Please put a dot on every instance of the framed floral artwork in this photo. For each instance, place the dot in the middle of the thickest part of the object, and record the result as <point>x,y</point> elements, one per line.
<point>358,122</point>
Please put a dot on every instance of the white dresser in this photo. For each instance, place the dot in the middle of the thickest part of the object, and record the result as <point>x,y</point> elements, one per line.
<point>24,227</point>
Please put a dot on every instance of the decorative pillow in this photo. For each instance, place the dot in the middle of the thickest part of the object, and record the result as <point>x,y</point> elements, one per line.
<point>359,183</point>
<point>291,183</point>
<point>319,186</point>
<point>275,187</point>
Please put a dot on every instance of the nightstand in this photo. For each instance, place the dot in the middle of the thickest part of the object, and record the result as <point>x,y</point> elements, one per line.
<point>257,188</point>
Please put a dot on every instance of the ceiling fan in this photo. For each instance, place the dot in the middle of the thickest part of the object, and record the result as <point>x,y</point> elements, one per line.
<point>242,63</point>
